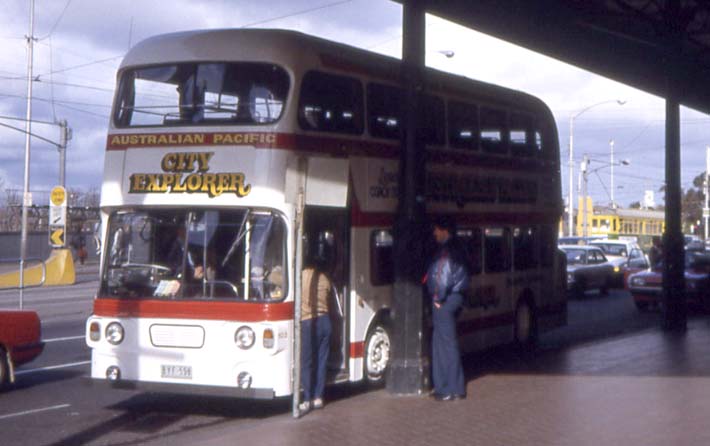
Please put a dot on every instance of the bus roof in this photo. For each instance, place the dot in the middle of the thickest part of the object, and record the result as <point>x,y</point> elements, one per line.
<point>299,51</point>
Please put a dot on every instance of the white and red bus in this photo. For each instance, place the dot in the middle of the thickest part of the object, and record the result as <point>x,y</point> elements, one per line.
<point>225,145</point>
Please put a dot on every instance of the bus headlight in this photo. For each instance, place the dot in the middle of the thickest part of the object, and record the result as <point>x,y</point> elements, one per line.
<point>114,333</point>
<point>244,337</point>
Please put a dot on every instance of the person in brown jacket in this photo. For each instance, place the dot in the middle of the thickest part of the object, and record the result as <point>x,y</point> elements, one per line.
<point>316,330</point>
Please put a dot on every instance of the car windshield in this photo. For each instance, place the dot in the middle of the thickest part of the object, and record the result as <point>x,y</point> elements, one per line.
<point>201,93</point>
<point>575,256</point>
<point>227,254</point>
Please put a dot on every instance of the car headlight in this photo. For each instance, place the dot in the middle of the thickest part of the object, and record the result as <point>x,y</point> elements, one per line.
<point>638,281</point>
<point>617,268</point>
<point>114,333</point>
<point>244,337</point>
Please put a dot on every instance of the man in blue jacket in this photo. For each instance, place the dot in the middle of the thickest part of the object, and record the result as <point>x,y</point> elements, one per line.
<point>447,278</point>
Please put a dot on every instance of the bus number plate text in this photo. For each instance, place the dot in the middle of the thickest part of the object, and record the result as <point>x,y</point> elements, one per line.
<point>176,371</point>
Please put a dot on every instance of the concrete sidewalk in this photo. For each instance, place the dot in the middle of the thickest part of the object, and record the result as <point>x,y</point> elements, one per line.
<point>649,388</point>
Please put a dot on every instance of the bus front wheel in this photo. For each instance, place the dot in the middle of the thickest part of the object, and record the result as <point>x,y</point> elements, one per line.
<point>377,353</point>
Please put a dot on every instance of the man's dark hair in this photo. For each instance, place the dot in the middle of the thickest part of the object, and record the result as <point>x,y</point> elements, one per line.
<point>445,222</point>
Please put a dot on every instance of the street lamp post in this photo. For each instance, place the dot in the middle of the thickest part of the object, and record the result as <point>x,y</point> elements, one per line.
<point>570,207</point>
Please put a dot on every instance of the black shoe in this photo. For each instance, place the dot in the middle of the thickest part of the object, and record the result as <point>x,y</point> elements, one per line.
<point>447,397</point>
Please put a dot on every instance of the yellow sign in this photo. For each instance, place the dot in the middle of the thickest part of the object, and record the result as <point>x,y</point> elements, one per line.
<point>58,196</point>
<point>188,172</point>
<point>56,237</point>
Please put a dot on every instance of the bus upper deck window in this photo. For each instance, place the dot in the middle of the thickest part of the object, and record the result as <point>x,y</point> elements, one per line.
<point>463,125</point>
<point>493,132</point>
<point>199,94</point>
<point>383,110</point>
<point>331,103</point>
<point>522,135</point>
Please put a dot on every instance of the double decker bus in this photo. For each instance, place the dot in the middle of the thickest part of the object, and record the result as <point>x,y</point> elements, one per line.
<point>231,153</point>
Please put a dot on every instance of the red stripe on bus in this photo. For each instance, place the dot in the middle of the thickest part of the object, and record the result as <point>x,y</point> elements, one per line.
<point>380,219</point>
<point>333,146</point>
<point>173,309</point>
<point>357,349</point>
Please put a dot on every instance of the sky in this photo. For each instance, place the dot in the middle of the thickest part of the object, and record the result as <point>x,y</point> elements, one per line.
<point>80,43</point>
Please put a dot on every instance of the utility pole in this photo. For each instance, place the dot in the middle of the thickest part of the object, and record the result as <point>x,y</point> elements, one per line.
<point>65,134</point>
<point>706,209</point>
<point>583,168</point>
<point>611,162</point>
<point>26,199</point>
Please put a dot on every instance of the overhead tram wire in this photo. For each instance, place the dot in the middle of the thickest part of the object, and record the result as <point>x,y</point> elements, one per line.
<point>59,19</point>
<point>297,13</point>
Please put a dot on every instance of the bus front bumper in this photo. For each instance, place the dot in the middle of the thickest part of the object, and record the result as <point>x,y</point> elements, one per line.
<point>183,389</point>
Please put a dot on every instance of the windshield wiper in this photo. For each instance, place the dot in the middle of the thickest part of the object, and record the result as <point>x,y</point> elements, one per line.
<point>240,235</point>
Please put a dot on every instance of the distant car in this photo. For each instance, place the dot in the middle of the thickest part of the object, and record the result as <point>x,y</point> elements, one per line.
<point>577,240</point>
<point>646,286</point>
<point>626,257</point>
<point>20,341</point>
<point>587,269</point>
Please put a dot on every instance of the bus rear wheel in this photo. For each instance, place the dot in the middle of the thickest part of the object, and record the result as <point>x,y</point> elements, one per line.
<point>525,325</point>
<point>377,353</point>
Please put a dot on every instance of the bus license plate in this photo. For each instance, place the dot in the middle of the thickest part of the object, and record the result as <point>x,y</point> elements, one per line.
<point>176,371</point>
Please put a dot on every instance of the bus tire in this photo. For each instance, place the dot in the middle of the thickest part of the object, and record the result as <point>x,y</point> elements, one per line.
<point>4,369</point>
<point>641,306</point>
<point>377,352</point>
<point>525,328</point>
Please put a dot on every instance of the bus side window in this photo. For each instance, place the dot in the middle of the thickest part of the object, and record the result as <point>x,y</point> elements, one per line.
<point>493,131</point>
<point>330,103</point>
<point>381,261</point>
<point>463,125</point>
<point>496,250</point>
<point>547,246</point>
<point>383,110</point>
<point>524,252</point>
<point>472,243</point>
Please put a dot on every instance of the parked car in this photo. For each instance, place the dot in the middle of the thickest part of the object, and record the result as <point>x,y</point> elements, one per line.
<point>587,269</point>
<point>646,286</point>
<point>626,257</point>
<point>20,341</point>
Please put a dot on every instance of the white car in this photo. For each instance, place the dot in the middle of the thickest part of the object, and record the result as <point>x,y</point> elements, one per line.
<point>625,255</point>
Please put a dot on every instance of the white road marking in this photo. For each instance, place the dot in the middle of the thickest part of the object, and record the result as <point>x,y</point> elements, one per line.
<point>29,412</point>
<point>66,338</point>
<point>52,367</point>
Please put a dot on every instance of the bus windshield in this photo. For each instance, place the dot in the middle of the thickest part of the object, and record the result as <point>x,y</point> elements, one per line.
<point>201,93</point>
<point>188,254</point>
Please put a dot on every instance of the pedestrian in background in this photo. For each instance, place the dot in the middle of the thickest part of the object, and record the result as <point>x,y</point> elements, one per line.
<point>447,278</point>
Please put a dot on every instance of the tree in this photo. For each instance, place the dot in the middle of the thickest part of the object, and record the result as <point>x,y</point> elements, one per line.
<point>692,204</point>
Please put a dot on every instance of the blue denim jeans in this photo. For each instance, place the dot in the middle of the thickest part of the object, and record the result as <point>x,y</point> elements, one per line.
<point>446,367</point>
<point>315,346</point>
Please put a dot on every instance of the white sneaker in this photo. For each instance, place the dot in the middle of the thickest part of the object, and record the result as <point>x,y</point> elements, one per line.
<point>304,406</point>
<point>318,403</point>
